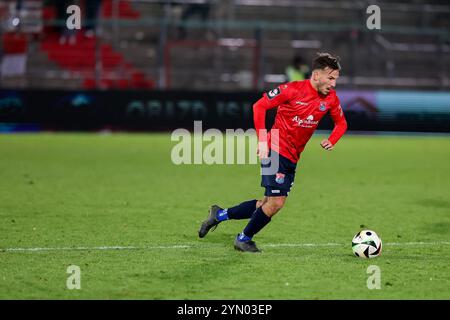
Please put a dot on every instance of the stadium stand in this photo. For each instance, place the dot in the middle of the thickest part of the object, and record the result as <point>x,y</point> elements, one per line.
<point>244,44</point>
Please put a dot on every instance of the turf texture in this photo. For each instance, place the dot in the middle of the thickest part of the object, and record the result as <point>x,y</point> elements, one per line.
<point>118,208</point>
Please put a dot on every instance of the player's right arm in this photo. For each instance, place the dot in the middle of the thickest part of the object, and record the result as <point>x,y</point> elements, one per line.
<point>259,119</point>
<point>271,99</point>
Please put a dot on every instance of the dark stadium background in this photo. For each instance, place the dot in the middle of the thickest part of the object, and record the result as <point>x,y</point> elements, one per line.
<point>159,65</point>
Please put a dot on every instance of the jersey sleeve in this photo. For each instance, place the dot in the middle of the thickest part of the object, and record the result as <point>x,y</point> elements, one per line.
<point>278,95</point>
<point>269,100</point>
<point>340,123</point>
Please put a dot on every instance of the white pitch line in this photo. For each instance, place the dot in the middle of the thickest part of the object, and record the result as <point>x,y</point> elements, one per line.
<point>303,245</point>
<point>419,243</point>
<point>340,244</point>
<point>93,248</point>
<point>190,246</point>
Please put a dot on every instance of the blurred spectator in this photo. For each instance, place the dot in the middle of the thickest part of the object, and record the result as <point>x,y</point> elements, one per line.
<point>298,70</point>
<point>14,59</point>
<point>92,11</point>
<point>19,5</point>
<point>65,35</point>
<point>193,9</point>
<point>13,16</point>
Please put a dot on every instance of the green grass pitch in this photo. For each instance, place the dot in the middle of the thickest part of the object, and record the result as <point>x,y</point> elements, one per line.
<point>76,196</point>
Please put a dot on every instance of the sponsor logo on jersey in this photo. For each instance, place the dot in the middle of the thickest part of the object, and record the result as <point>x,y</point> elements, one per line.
<point>273,93</point>
<point>309,122</point>
<point>279,178</point>
<point>301,103</point>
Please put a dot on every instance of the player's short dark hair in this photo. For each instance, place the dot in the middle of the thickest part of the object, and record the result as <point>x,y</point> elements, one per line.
<point>325,60</point>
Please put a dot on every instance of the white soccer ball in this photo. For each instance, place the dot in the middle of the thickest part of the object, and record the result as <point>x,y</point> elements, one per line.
<point>366,244</point>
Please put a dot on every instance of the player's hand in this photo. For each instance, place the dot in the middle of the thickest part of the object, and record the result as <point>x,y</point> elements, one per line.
<point>263,150</point>
<point>327,145</point>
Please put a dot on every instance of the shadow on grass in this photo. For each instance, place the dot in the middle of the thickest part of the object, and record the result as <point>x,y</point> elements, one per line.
<point>434,203</point>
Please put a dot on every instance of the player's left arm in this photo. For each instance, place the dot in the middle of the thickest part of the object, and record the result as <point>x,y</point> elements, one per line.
<point>340,127</point>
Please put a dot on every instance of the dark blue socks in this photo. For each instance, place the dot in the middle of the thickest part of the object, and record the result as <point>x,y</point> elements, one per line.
<point>242,211</point>
<point>246,210</point>
<point>222,215</point>
<point>258,221</point>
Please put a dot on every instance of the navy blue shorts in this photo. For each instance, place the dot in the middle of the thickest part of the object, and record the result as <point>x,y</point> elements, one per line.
<point>277,176</point>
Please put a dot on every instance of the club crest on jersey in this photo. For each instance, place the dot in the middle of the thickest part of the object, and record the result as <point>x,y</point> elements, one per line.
<point>273,93</point>
<point>322,106</point>
<point>279,178</point>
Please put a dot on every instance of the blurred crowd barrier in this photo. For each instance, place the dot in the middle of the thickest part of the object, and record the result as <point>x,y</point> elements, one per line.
<point>166,110</point>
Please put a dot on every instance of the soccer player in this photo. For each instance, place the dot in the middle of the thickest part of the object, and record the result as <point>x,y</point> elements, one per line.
<point>301,105</point>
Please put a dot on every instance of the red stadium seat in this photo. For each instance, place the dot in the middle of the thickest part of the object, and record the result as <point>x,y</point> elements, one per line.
<point>125,10</point>
<point>14,42</point>
<point>80,56</point>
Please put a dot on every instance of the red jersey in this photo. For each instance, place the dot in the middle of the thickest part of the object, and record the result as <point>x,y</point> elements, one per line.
<point>300,108</point>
